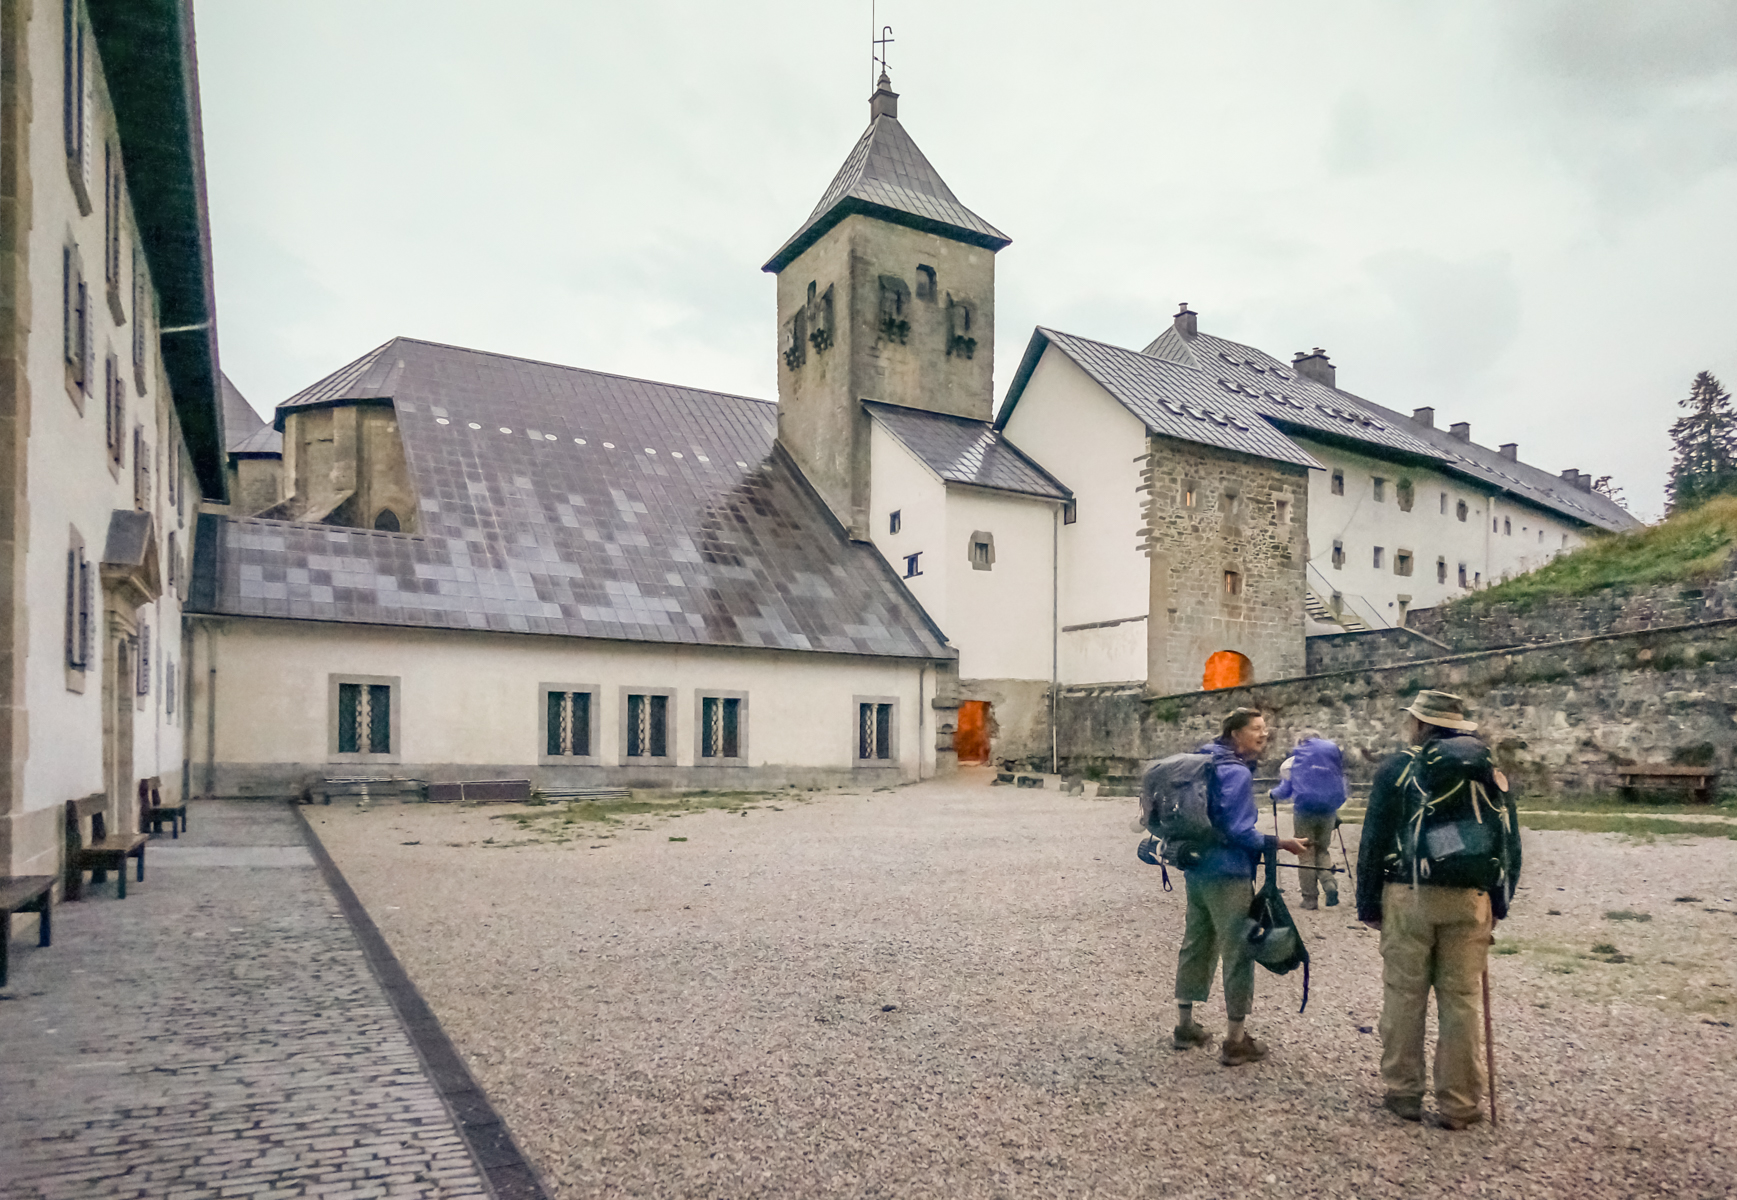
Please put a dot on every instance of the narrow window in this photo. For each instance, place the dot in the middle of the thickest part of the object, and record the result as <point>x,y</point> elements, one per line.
<point>76,115</point>
<point>720,727</point>
<point>1232,583</point>
<point>141,469</point>
<point>1405,494</point>
<point>895,521</point>
<point>1190,497</point>
<point>1444,504</point>
<point>648,725</point>
<point>169,688</point>
<point>1336,603</point>
<point>925,283</point>
<point>1477,580</point>
<point>1463,575</point>
<point>874,731</point>
<point>1460,510</point>
<point>1540,537</point>
<point>913,565</point>
<point>139,377</point>
<point>1441,570</point>
<point>1495,525</point>
<point>1282,510</point>
<point>364,718</point>
<point>1565,541</point>
<point>1378,553</point>
<point>174,562</point>
<point>982,551</point>
<point>1380,488</point>
<point>1507,527</point>
<point>78,606</point>
<point>1338,483</point>
<point>1402,562</point>
<point>1338,555</point>
<point>143,685</point>
<point>1070,511</point>
<point>386,520</point>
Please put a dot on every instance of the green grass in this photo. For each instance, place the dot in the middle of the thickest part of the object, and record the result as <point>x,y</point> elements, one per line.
<point>1690,547</point>
<point>1644,828</point>
<point>560,823</point>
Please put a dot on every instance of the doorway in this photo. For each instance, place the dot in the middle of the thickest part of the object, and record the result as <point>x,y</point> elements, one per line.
<point>1226,669</point>
<point>971,739</point>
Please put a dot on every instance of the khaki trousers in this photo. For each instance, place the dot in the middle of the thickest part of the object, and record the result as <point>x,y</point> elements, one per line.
<point>1434,937</point>
<point>1319,831</point>
<point>1217,907</point>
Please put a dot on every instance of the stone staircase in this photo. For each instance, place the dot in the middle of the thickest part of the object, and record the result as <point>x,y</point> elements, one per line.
<point>1319,610</point>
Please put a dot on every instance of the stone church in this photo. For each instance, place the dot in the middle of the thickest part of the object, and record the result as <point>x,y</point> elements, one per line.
<point>442,563</point>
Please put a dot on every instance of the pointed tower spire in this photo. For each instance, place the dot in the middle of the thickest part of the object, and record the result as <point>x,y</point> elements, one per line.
<point>885,101</point>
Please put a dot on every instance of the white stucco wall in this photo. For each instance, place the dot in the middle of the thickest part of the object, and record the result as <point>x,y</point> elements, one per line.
<point>1083,437</point>
<point>1001,620</point>
<point>71,483</point>
<point>472,699</point>
<point>1361,523</point>
<point>899,482</point>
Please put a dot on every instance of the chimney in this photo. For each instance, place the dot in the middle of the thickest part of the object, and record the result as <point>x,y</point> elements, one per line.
<point>1461,430</point>
<point>1424,417</point>
<point>1314,365</point>
<point>1186,323</point>
<point>1510,451</point>
<point>1584,483</point>
<point>1572,475</point>
<point>885,101</point>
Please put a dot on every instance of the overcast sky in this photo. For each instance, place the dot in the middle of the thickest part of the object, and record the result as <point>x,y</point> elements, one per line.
<point>1522,214</point>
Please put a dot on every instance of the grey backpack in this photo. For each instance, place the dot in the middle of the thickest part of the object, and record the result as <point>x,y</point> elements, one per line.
<point>1175,799</point>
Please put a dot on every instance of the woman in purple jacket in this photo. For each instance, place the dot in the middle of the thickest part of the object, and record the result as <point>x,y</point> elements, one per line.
<point>1313,780</point>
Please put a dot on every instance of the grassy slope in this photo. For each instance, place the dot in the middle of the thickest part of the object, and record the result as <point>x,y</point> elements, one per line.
<point>1690,547</point>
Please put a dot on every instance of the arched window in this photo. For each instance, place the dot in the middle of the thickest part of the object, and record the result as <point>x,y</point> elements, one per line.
<point>387,520</point>
<point>1227,669</point>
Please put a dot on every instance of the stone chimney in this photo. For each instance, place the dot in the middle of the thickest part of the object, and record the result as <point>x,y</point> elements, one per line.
<point>1461,430</point>
<point>1584,483</point>
<point>1424,417</point>
<point>1510,451</point>
<point>885,101</point>
<point>1187,323</point>
<point>1314,365</point>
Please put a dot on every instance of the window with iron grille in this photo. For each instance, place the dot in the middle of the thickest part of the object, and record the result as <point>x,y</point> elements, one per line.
<point>876,731</point>
<point>570,712</point>
<point>364,718</point>
<point>722,728</point>
<point>645,718</point>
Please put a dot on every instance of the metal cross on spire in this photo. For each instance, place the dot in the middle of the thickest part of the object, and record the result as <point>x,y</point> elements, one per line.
<point>878,47</point>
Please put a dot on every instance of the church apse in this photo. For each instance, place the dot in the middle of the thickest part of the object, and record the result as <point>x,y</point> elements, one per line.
<point>345,465</point>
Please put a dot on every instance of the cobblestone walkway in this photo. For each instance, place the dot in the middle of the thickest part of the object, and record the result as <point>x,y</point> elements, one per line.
<point>216,1033</point>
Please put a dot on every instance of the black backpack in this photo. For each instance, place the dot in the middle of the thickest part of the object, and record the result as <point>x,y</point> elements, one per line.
<point>1175,807</point>
<point>1273,939</point>
<point>1459,825</point>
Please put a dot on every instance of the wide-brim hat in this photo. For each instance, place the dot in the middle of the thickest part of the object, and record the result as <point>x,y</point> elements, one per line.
<point>1441,708</point>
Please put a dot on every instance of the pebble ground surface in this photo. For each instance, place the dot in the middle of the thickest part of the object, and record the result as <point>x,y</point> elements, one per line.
<point>215,1034</point>
<point>953,990</point>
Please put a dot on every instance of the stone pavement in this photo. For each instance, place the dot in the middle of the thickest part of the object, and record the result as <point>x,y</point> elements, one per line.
<point>217,1033</point>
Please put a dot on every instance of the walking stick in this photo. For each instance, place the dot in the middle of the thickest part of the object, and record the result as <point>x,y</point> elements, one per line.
<point>1489,1046</point>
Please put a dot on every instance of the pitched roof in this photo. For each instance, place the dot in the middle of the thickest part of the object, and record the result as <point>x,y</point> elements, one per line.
<point>371,377</point>
<point>1169,398</point>
<point>1301,405</point>
<point>886,176</point>
<point>240,422</point>
<point>961,450</point>
<point>264,442</point>
<point>554,500</point>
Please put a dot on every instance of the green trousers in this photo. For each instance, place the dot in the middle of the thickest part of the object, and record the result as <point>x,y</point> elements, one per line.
<point>1217,908</point>
<point>1434,938</point>
<point>1319,832</point>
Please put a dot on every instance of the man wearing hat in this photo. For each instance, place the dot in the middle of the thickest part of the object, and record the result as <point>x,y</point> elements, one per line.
<point>1413,864</point>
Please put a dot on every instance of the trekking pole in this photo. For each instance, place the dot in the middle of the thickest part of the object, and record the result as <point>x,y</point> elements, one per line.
<point>1339,828</point>
<point>1490,1046</point>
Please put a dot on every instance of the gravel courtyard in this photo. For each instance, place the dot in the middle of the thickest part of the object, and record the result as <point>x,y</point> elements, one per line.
<point>953,990</point>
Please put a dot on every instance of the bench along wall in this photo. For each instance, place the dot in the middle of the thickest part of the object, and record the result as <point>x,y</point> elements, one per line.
<point>1561,717</point>
<point>473,706</point>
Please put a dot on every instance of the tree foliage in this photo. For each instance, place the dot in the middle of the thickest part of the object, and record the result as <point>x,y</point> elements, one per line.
<point>1704,444</point>
<point>1604,486</point>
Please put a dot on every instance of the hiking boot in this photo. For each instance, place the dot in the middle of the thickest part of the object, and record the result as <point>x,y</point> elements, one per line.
<point>1332,899</point>
<point>1186,1037</point>
<point>1234,1054</point>
<point>1458,1123</point>
<point>1406,1108</point>
<point>1309,904</point>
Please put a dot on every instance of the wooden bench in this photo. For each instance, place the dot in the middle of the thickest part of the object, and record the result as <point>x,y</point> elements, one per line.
<point>153,812</point>
<point>24,893</point>
<point>103,852</point>
<point>1703,781</point>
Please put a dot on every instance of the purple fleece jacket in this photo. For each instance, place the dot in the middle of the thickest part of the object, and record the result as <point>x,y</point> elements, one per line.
<point>1232,809</point>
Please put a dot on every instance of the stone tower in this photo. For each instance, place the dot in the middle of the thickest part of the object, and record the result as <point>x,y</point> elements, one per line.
<point>887,292</point>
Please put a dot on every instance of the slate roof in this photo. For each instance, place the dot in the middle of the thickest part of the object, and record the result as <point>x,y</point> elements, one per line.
<point>560,501</point>
<point>1171,399</point>
<point>886,176</point>
<point>961,450</point>
<point>239,420</point>
<point>1301,406</point>
<point>264,442</point>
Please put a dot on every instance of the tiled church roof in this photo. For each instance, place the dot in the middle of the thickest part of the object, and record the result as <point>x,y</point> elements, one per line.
<point>560,501</point>
<point>961,450</point>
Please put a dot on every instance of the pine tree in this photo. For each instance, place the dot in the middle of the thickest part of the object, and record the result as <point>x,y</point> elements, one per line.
<point>1705,445</point>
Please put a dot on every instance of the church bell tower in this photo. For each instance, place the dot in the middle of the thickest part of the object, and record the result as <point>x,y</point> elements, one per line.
<point>886,292</point>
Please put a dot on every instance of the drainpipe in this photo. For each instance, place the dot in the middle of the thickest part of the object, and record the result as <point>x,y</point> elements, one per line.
<point>922,724</point>
<point>210,711</point>
<point>1054,636</point>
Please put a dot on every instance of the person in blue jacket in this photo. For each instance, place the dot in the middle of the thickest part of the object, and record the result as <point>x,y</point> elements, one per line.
<point>1313,780</point>
<point>1220,888</point>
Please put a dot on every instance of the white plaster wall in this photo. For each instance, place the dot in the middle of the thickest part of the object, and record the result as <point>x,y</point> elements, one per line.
<point>1001,619</point>
<point>473,697</point>
<point>70,482</point>
<point>1095,447</point>
<point>899,482</point>
<point>1362,523</point>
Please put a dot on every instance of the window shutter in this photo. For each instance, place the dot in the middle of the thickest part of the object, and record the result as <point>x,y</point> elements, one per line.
<point>70,70</point>
<point>84,338</point>
<point>85,600</point>
<point>68,309</point>
<point>144,660</point>
<point>72,659</point>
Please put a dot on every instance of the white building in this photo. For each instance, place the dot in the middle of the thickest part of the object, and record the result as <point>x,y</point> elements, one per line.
<point>110,403</point>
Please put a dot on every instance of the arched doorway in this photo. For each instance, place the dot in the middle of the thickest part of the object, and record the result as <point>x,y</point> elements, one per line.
<point>1227,669</point>
<point>971,738</point>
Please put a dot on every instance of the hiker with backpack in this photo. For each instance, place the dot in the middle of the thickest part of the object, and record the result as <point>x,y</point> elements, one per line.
<point>1218,870</point>
<point>1436,869</point>
<point>1313,780</point>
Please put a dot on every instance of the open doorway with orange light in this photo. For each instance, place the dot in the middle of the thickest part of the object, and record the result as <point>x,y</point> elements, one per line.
<point>1227,669</point>
<point>971,741</point>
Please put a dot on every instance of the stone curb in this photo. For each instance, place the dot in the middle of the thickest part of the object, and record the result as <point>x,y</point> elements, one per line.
<point>491,1145</point>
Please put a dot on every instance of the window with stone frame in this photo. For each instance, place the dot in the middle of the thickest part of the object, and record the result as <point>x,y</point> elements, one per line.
<point>1402,562</point>
<point>1190,493</point>
<point>76,325</point>
<point>877,731</point>
<point>1380,488</point>
<point>112,201</point>
<point>1463,582</point>
<point>141,469</point>
<point>570,723</point>
<point>364,718</point>
<point>1441,570</point>
<point>1233,583</point>
<point>1507,527</point>
<point>1444,504</point>
<point>141,309</point>
<point>76,101</point>
<point>1460,510</point>
<point>720,728</point>
<point>982,550</point>
<point>1379,555</point>
<point>1338,555</point>
<point>925,283</point>
<point>1338,482</point>
<point>79,603</point>
<point>115,414</point>
<point>1405,493</point>
<point>1282,511</point>
<point>645,726</point>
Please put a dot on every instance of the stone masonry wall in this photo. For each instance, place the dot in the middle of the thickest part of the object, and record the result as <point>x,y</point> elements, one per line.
<point>1370,648</point>
<point>1209,512</point>
<point>1560,717</point>
<point>1472,624</point>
